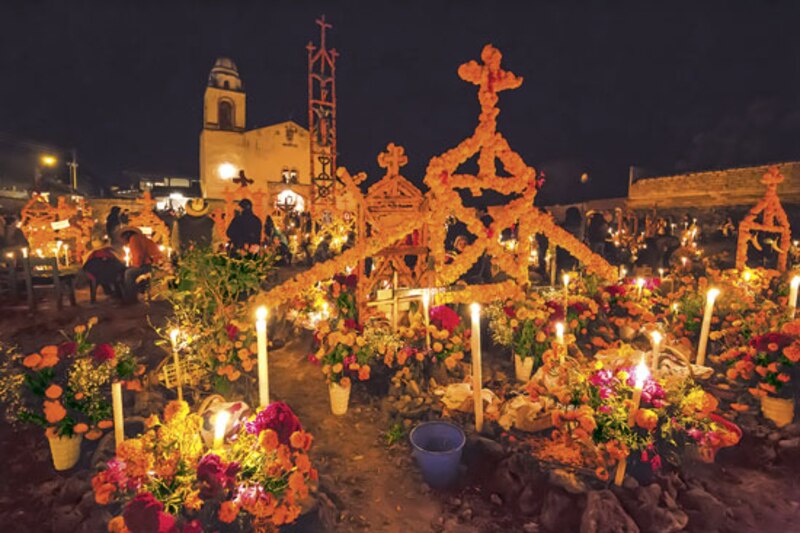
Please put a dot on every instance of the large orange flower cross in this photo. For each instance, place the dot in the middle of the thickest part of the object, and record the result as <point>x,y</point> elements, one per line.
<point>519,181</point>
<point>773,220</point>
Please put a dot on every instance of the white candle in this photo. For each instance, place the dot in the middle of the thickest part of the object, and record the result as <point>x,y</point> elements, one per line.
<point>477,381</point>
<point>220,427</point>
<point>701,348</point>
<point>793,285</point>
<point>25,253</point>
<point>173,336</point>
<point>57,251</point>
<point>127,256</point>
<point>655,339</point>
<point>66,254</point>
<point>661,273</point>
<point>639,287</point>
<point>641,373</point>
<point>566,294</point>
<point>119,419</point>
<point>263,371</point>
<point>426,303</point>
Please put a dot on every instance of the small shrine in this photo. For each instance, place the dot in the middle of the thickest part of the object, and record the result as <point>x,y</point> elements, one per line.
<point>773,220</point>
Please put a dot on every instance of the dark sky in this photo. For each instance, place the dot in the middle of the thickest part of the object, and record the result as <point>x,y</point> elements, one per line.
<point>663,85</point>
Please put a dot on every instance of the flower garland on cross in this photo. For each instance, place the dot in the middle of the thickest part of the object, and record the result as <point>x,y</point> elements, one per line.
<point>445,182</point>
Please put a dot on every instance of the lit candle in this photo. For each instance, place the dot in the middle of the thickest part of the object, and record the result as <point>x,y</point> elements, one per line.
<point>220,427</point>
<point>655,339</point>
<point>119,419</point>
<point>701,348</point>
<point>661,273</point>
<point>477,381</point>
<point>747,276</point>
<point>622,273</point>
<point>426,302</point>
<point>57,250</point>
<point>683,261</point>
<point>169,252</point>
<point>639,287</point>
<point>793,285</point>
<point>566,294</point>
<point>25,253</point>
<point>263,371</point>
<point>640,374</point>
<point>127,256</point>
<point>66,254</point>
<point>173,336</point>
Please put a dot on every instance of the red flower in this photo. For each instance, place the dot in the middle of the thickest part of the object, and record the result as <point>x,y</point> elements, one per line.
<point>762,342</point>
<point>509,311</point>
<point>349,323</point>
<point>444,317</point>
<point>215,476</point>
<point>193,527</point>
<point>232,331</point>
<point>313,359</point>
<point>67,349</point>
<point>103,352</point>
<point>278,417</point>
<point>145,514</point>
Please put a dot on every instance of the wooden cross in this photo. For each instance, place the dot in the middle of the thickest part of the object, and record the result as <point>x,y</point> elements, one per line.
<point>242,180</point>
<point>489,76</point>
<point>323,26</point>
<point>392,159</point>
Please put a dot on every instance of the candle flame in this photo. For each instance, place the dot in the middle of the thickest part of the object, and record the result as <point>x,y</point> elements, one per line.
<point>475,309</point>
<point>713,292</point>
<point>795,281</point>
<point>641,373</point>
<point>566,280</point>
<point>173,336</point>
<point>560,330</point>
<point>640,282</point>
<point>426,297</point>
<point>747,276</point>
<point>261,313</point>
<point>220,427</point>
<point>657,338</point>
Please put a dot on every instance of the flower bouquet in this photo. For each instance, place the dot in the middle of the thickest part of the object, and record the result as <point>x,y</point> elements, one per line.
<point>343,353</point>
<point>66,389</point>
<point>522,326</point>
<point>167,479</point>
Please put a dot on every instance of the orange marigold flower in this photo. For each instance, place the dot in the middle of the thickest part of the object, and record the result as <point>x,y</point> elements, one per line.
<point>363,373</point>
<point>94,434</point>
<point>105,424</point>
<point>450,363</point>
<point>601,473</point>
<point>176,410</point>
<point>772,347</point>
<point>768,387</point>
<point>103,493</point>
<point>783,378</point>
<point>228,512</point>
<point>303,463</point>
<point>268,439</point>
<point>337,368</point>
<point>53,392</point>
<point>740,407</point>
<point>298,484</point>
<point>792,352</point>
<point>32,361</point>
<point>54,411</point>
<point>117,525</point>
<point>80,428</point>
<point>51,350</point>
<point>646,419</point>
<point>133,385</point>
<point>301,440</point>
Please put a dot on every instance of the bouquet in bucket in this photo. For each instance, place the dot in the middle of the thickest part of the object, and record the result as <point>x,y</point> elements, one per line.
<point>66,388</point>
<point>168,479</point>
<point>343,352</point>
<point>521,325</point>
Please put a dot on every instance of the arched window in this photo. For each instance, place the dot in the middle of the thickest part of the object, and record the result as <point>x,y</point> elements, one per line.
<point>225,110</point>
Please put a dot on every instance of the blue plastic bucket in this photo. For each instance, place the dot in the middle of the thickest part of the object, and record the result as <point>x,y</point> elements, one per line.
<point>437,449</point>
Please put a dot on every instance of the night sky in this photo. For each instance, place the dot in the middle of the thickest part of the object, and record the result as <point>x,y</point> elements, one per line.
<point>664,86</point>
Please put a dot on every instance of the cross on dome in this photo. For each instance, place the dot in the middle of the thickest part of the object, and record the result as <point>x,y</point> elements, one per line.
<point>772,177</point>
<point>392,159</point>
<point>489,77</point>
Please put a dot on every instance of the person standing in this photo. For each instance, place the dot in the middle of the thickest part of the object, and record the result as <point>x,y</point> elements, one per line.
<point>195,228</point>
<point>113,221</point>
<point>144,253</point>
<point>245,228</point>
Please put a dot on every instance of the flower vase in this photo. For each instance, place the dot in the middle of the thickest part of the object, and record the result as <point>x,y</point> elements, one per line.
<point>340,398</point>
<point>779,410</point>
<point>523,367</point>
<point>65,451</point>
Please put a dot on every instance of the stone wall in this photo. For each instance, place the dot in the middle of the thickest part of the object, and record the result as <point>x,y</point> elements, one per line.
<point>720,188</point>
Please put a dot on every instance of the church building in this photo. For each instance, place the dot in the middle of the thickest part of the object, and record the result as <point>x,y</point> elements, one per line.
<point>275,157</point>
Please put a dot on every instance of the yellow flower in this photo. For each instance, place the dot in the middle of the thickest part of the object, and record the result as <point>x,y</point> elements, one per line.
<point>117,525</point>
<point>437,347</point>
<point>80,328</point>
<point>361,341</point>
<point>92,321</point>
<point>337,368</point>
<point>514,322</point>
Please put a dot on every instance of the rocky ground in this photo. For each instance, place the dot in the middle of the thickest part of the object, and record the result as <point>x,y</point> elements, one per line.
<point>368,485</point>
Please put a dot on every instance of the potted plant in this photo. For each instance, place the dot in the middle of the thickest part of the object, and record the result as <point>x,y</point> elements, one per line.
<point>66,390</point>
<point>521,325</point>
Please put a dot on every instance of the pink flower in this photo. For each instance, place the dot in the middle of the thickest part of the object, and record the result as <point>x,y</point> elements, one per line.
<point>215,476</point>
<point>313,359</point>
<point>103,352</point>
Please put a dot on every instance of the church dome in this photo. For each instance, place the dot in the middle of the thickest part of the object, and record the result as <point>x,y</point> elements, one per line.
<point>225,75</point>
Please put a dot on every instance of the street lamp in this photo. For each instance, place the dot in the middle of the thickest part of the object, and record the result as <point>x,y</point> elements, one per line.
<point>48,160</point>
<point>226,171</point>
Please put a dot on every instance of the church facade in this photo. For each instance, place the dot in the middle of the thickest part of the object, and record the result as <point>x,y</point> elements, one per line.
<point>275,157</point>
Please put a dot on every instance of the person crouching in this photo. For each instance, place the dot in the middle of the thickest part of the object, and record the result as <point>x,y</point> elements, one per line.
<point>144,253</point>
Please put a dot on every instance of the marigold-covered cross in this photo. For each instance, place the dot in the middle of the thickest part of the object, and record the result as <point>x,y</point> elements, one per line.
<point>489,77</point>
<point>392,159</point>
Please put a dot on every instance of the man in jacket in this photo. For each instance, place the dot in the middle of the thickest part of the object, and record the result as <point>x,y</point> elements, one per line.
<point>143,253</point>
<point>245,228</point>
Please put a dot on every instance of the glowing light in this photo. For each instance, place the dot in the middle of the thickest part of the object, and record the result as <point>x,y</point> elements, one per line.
<point>226,171</point>
<point>261,313</point>
<point>713,292</point>
<point>657,337</point>
<point>220,427</point>
<point>48,160</point>
<point>641,374</point>
<point>566,280</point>
<point>747,276</point>
<point>173,337</point>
